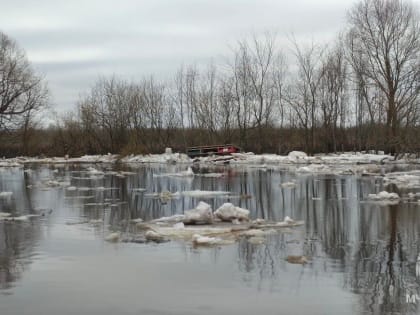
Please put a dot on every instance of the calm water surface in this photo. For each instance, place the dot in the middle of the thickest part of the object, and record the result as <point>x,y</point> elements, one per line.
<point>362,255</point>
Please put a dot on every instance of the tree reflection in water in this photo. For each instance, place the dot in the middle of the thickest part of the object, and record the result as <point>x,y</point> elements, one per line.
<point>373,248</point>
<point>17,239</point>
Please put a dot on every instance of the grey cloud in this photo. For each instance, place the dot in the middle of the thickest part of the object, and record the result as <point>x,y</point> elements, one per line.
<point>73,42</point>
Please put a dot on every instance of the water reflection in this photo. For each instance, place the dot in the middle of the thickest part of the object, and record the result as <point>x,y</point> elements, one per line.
<point>368,250</point>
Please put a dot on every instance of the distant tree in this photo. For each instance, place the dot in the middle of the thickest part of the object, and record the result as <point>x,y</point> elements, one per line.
<point>384,47</point>
<point>22,92</point>
<point>303,93</point>
<point>333,97</point>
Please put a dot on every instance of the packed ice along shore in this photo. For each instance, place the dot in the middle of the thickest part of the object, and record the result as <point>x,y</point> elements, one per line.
<point>293,158</point>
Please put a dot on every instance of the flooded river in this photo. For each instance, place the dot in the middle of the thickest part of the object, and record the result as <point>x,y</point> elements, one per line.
<point>362,255</point>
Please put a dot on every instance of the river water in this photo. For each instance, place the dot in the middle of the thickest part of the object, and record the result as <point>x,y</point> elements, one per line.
<point>362,256</point>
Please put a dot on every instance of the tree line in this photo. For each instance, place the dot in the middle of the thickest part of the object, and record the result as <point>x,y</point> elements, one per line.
<point>360,92</point>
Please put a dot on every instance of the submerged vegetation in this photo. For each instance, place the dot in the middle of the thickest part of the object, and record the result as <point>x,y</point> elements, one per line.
<point>359,93</point>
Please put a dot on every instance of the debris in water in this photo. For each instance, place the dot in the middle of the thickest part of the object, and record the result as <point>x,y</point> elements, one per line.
<point>301,260</point>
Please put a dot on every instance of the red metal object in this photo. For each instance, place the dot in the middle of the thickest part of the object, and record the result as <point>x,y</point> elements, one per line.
<point>224,149</point>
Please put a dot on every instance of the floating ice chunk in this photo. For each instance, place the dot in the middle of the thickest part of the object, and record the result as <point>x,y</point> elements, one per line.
<point>113,237</point>
<point>187,232</point>
<point>287,222</point>
<point>256,240</point>
<point>199,240</point>
<point>202,214</point>
<point>315,168</point>
<point>296,156</point>
<point>71,188</point>
<point>236,222</point>
<point>138,189</point>
<point>288,185</point>
<point>94,171</point>
<point>406,180</point>
<point>212,175</point>
<point>254,233</point>
<point>52,183</point>
<point>179,225</point>
<point>258,221</point>
<point>4,215</point>
<point>384,195</point>
<point>5,194</point>
<point>304,169</point>
<point>229,212</point>
<point>204,240</point>
<point>204,193</point>
<point>155,237</point>
<point>138,220</point>
<point>171,219</point>
<point>188,172</point>
<point>22,218</point>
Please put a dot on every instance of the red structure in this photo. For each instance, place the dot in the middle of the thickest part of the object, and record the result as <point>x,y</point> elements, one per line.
<point>207,150</point>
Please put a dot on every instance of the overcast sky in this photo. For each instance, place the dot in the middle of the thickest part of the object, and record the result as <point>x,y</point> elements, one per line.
<point>74,42</point>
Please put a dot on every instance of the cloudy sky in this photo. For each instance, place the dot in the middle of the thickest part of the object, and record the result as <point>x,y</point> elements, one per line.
<point>72,43</point>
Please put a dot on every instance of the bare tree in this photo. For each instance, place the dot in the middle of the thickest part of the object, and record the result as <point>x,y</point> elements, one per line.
<point>226,108</point>
<point>384,46</point>
<point>303,93</point>
<point>262,75</point>
<point>207,107</point>
<point>333,96</point>
<point>22,92</point>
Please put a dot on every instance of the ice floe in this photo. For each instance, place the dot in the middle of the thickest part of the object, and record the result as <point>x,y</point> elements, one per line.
<point>155,237</point>
<point>256,240</point>
<point>293,158</point>
<point>384,198</point>
<point>199,240</point>
<point>22,218</point>
<point>229,212</point>
<point>406,180</point>
<point>113,237</point>
<point>214,232</point>
<point>297,156</point>
<point>5,194</point>
<point>288,185</point>
<point>201,214</point>
<point>204,193</point>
